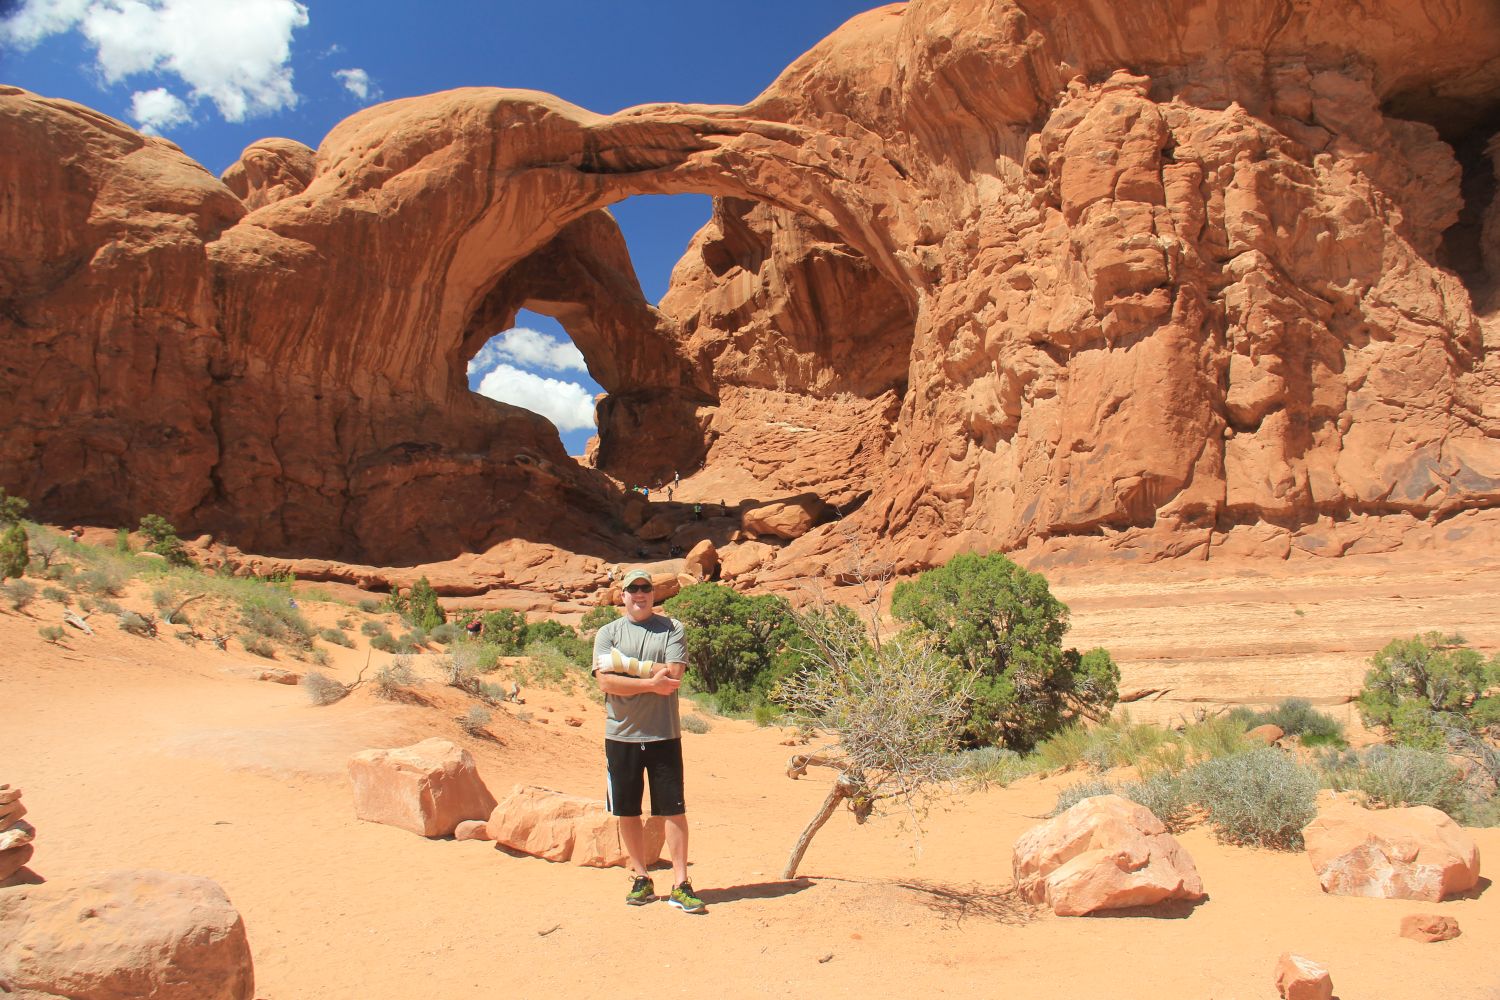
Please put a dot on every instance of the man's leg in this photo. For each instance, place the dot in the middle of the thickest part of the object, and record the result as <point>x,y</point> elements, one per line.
<point>677,844</point>
<point>633,833</point>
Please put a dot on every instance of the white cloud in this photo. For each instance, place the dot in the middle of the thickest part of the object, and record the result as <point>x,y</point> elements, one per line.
<point>568,405</point>
<point>158,109</point>
<point>36,19</point>
<point>235,53</point>
<point>358,83</point>
<point>531,348</point>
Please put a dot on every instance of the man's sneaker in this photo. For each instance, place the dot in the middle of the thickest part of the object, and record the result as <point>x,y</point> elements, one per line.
<point>685,900</point>
<point>642,891</point>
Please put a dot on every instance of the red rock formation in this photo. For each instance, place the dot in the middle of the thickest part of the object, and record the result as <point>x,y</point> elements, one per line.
<point>1164,291</point>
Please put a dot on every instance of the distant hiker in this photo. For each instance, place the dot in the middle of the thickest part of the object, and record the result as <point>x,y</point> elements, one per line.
<point>669,492</point>
<point>697,512</point>
<point>646,492</point>
<point>474,628</point>
<point>676,479</point>
<point>639,659</point>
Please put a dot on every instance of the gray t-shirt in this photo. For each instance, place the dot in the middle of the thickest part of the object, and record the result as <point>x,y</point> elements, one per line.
<point>644,718</point>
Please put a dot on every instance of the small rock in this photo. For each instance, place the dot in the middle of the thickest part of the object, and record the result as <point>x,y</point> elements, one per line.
<point>21,833</point>
<point>472,829</point>
<point>14,860</point>
<point>1429,927</point>
<point>277,675</point>
<point>8,794</point>
<point>1267,734</point>
<point>573,721</point>
<point>11,813</point>
<point>1299,978</point>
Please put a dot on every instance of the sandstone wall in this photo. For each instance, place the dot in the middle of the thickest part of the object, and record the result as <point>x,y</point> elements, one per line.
<point>1159,275</point>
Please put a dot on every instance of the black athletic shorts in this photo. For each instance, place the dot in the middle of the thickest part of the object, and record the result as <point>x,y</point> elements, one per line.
<point>630,763</point>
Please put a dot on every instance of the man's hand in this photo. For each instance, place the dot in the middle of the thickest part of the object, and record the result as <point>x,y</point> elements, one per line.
<point>662,682</point>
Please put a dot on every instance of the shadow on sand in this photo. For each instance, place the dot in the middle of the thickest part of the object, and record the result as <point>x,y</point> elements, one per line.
<point>956,902</point>
<point>754,890</point>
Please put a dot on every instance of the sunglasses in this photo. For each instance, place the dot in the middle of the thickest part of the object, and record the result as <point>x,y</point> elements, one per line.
<point>639,588</point>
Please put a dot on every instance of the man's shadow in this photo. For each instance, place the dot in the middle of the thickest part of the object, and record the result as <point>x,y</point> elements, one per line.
<point>754,890</point>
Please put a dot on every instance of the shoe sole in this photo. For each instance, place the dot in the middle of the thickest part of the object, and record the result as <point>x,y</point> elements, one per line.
<point>640,902</point>
<point>684,909</point>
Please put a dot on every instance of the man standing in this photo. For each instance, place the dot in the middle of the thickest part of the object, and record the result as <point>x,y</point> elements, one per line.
<point>639,659</point>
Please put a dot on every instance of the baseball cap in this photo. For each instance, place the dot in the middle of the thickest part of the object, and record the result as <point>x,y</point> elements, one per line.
<point>635,576</point>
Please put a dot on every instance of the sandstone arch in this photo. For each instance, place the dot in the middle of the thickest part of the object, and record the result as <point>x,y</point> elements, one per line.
<point>1160,277</point>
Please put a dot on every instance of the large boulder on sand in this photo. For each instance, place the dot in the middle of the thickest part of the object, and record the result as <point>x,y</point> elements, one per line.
<point>558,827</point>
<point>789,519</point>
<point>1105,853</point>
<point>1412,853</point>
<point>120,935</point>
<point>428,788</point>
<point>702,561</point>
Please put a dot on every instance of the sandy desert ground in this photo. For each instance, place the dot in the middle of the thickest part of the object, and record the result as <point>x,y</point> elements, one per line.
<point>140,753</point>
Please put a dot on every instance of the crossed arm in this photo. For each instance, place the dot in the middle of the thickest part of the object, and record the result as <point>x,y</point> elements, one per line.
<point>628,677</point>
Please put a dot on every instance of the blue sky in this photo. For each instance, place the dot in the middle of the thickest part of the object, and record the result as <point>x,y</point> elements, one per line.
<point>215,75</point>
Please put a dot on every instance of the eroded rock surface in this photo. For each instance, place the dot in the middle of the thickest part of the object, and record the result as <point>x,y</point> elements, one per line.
<point>1105,853</point>
<point>1156,285</point>
<point>126,934</point>
<point>1413,853</point>
<point>428,788</point>
<point>559,827</point>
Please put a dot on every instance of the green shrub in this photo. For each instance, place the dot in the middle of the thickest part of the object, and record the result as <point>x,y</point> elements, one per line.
<point>505,629</point>
<point>1064,749</point>
<point>444,634</point>
<point>259,645</point>
<point>372,629</point>
<point>12,509</point>
<point>52,633</point>
<point>337,637</point>
<point>344,622</point>
<point>56,594</point>
<point>696,724</point>
<point>1003,623</point>
<point>1415,687</point>
<point>272,616</point>
<point>101,581</point>
<point>1260,797</point>
<point>162,539</point>
<point>319,656</point>
<point>478,657</point>
<point>597,618</point>
<point>1074,794</point>
<point>476,720</point>
<point>1215,737</point>
<point>1296,717</point>
<point>991,765</point>
<point>15,551</point>
<point>1165,794</point>
<point>395,676</point>
<point>418,607</point>
<point>738,647</point>
<point>122,541</point>
<point>18,593</point>
<point>369,606</point>
<point>548,666</point>
<point>322,689</point>
<point>412,641</point>
<point>1407,776</point>
<point>103,605</point>
<point>384,642</point>
<point>765,714</point>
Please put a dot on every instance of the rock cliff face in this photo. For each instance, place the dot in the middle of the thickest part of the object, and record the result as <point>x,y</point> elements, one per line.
<point>1160,277</point>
